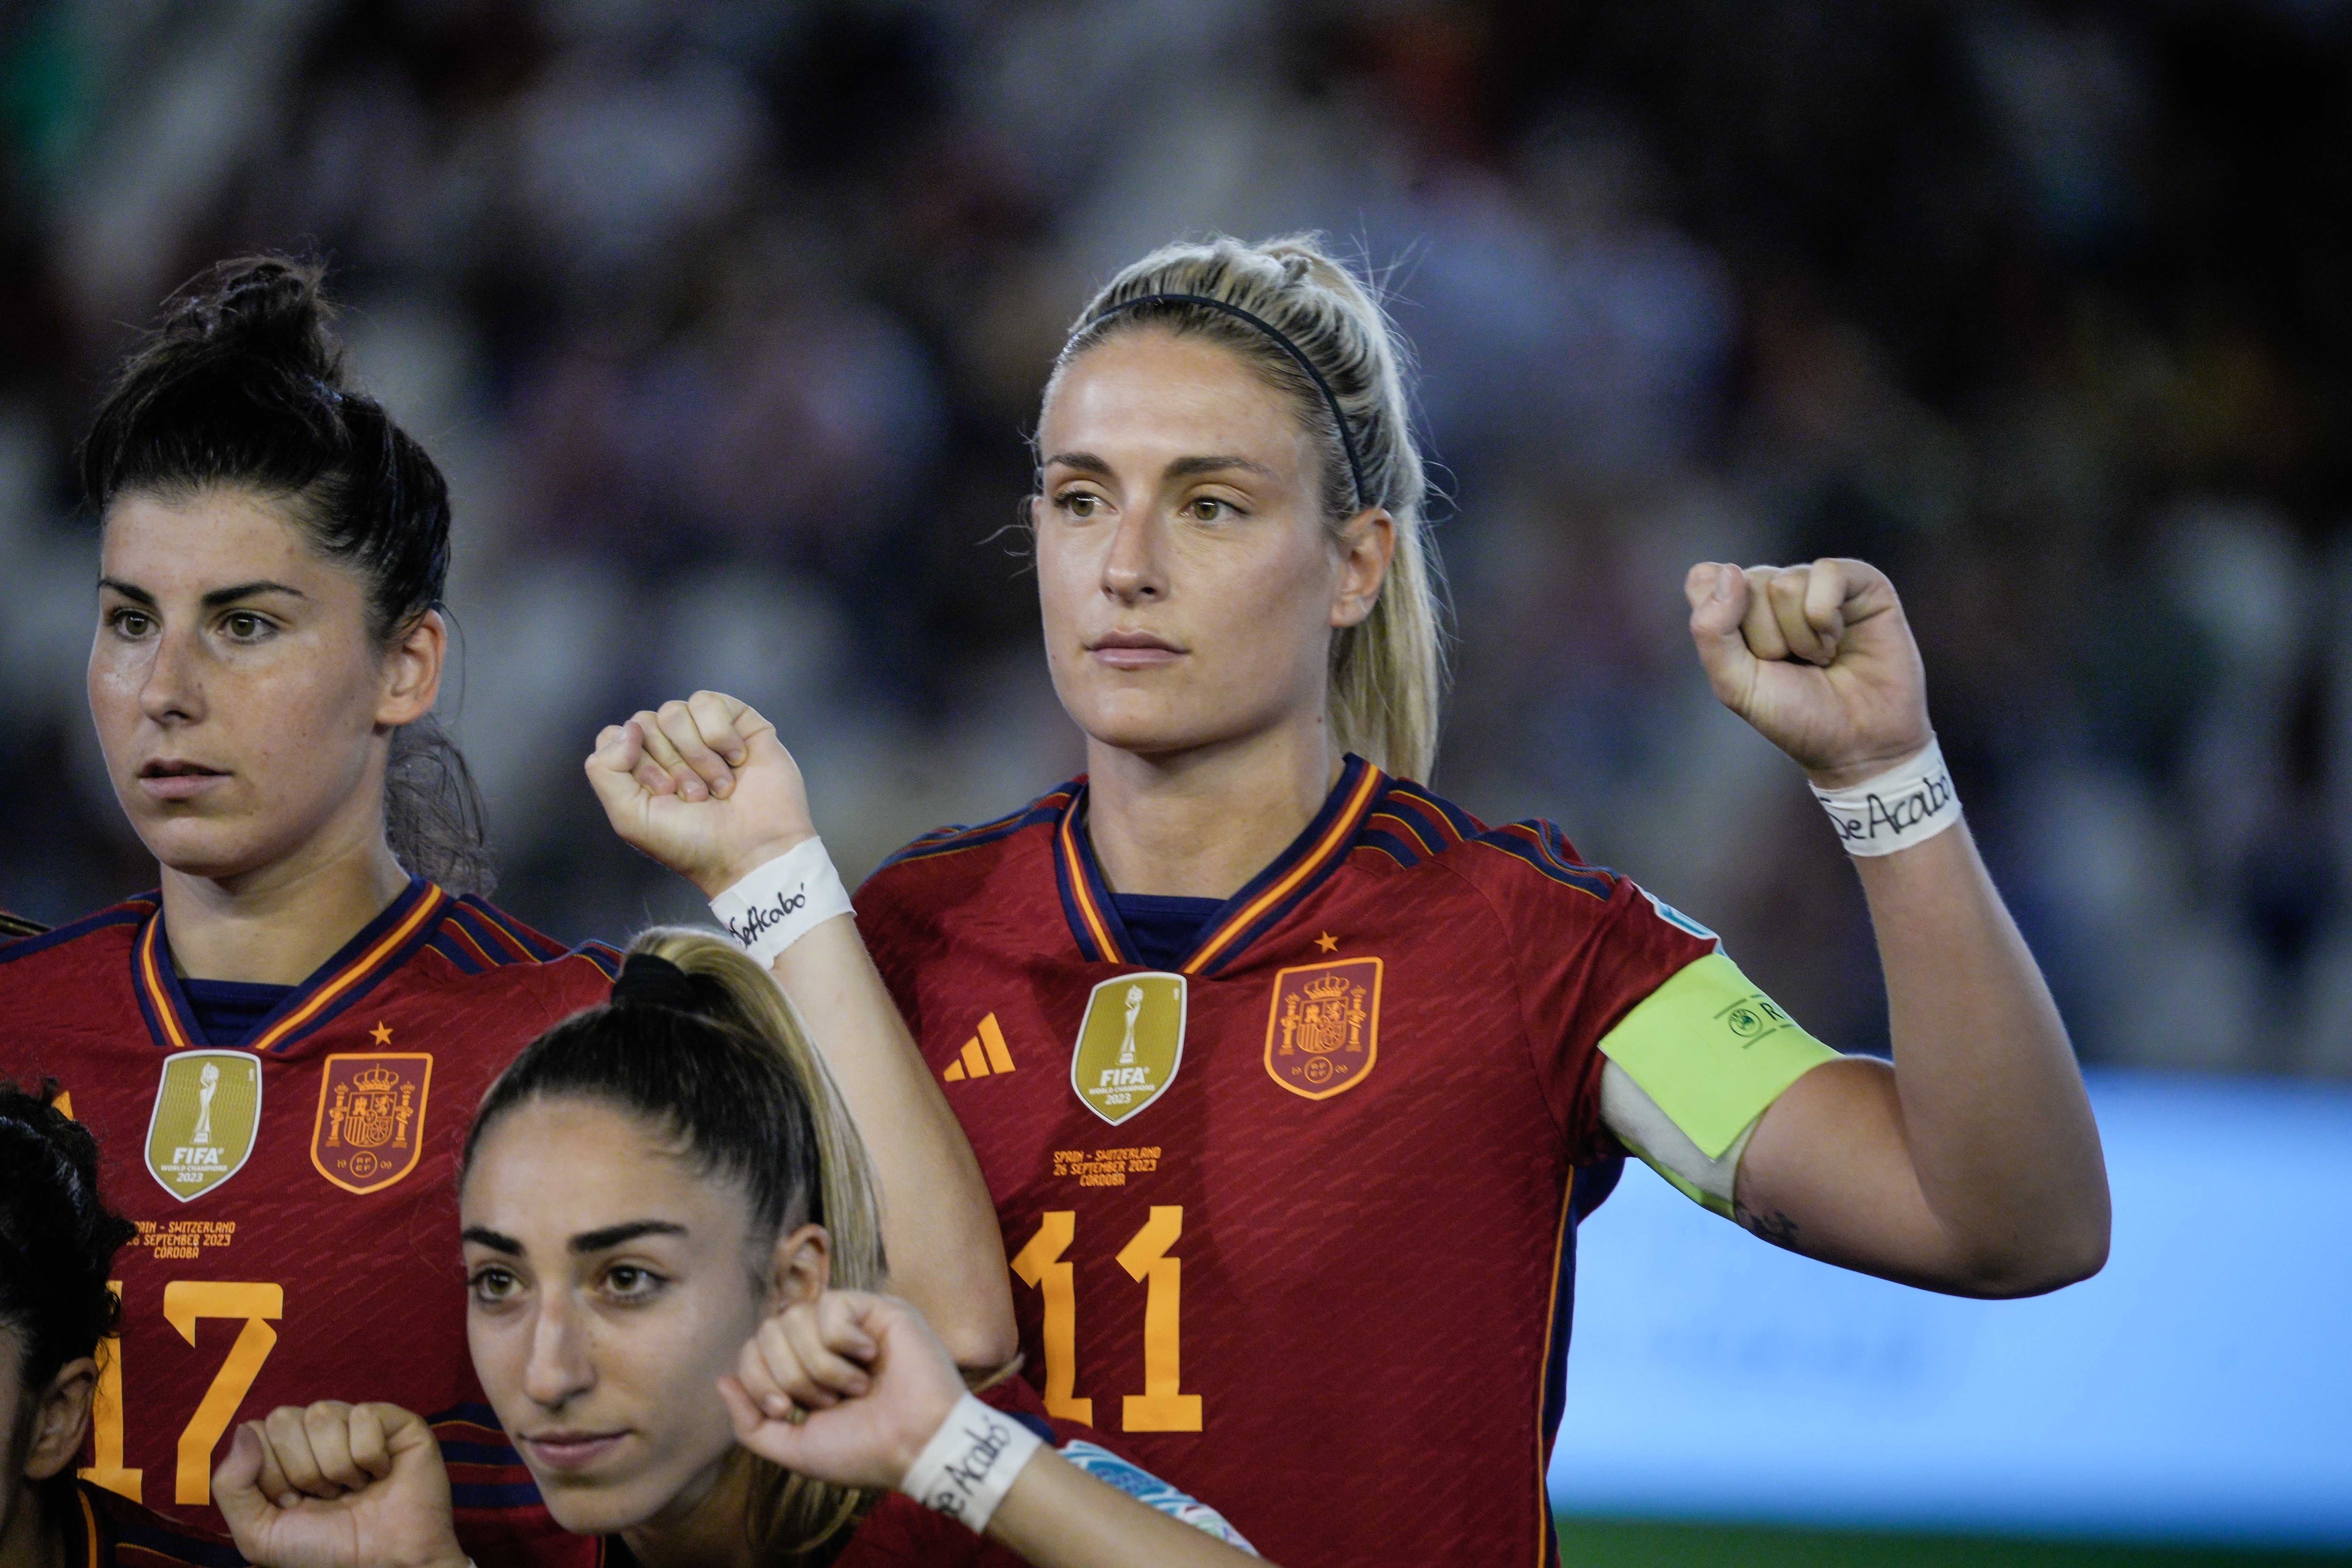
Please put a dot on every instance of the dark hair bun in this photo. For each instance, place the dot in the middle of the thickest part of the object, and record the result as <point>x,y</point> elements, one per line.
<point>269,306</point>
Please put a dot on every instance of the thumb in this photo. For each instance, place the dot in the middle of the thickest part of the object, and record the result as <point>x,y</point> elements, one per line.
<point>611,768</point>
<point>1718,601</point>
<point>236,1492</point>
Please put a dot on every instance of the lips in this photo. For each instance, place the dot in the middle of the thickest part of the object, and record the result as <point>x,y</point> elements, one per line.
<point>175,778</point>
<point>572,1451</point>
<point>1134,650</point>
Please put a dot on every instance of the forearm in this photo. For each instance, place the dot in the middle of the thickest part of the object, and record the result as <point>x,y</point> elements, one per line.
<point>1056,1516</point>
<point>939,1224</point>
<point>1991,1105</point>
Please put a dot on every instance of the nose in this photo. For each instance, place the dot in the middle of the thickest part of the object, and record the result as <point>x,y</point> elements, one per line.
<point>560,1369</point>
<point>1131,567</point>
<point>172,691</point>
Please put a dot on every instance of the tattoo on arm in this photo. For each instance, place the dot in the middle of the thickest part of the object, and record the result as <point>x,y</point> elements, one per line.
<point>1775,1227</point>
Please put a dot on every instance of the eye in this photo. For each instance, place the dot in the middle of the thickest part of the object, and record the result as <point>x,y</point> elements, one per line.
<point>1207,509</point>
<point>244,625</point>
<point>493,1284</point>
<point>129,623</point>
<point>629,1283</point>
<point>1080,504</point>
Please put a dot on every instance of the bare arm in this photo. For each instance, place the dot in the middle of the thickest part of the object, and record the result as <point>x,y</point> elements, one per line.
<point>707,789</point>
<point>1972,1165</point>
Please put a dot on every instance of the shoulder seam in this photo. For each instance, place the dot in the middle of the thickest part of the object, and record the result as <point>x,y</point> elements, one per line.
<point>129,913</point>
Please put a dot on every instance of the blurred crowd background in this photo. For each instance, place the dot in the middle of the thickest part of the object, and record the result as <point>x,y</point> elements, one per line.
<point>728,320</point>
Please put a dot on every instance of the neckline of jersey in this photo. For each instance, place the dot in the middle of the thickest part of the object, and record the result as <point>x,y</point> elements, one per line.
<point>377,949</point>
<point>1092,911</point>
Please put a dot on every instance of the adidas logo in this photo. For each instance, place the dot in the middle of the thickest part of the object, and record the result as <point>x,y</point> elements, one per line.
<point>983,1054</point>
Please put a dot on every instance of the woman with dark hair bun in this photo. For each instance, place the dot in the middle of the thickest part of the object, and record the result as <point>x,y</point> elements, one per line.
<point>290,1032</point>
<point>57,1247</point>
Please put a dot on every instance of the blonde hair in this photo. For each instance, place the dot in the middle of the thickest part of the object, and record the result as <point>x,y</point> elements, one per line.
<point>1388,672</point>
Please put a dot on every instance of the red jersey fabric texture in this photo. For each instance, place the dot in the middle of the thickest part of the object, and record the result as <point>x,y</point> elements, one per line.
<point>105,1531</point>
<point>1335,1309</point>
<point>324,1264</point>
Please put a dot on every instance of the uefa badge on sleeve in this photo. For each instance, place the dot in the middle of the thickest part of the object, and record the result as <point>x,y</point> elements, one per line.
<point>371,1127</point>
<point>1323,1034</point>
<point>1130,1044</point>
<point>208,1111</point>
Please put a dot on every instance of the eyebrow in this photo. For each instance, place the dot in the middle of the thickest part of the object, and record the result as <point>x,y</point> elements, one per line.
<point>212,601</point>
<point>1181,469</point>
<point>613,1235</point>
<point>482,1236</point>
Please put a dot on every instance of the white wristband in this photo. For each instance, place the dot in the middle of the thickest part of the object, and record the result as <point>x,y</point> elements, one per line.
<point>779,903</point>
<point>969,1463</point>
<point>1908,804</point>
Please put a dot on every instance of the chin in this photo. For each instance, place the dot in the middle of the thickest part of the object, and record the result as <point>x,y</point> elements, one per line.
<point>210,849</point>
<point>599,1507</point>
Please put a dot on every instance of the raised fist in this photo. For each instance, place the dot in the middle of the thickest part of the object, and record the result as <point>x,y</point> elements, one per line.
<point>1819,658</point>
<point>847,1388</point>
<point>704,787</point>
<point>338,1486</point>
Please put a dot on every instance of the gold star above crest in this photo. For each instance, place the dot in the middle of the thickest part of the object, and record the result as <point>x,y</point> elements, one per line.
<point>381,1034</point>
<point>1328,942</point>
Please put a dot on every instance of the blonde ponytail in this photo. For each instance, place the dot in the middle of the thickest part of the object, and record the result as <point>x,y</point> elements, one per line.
<point>758,1007</point>
<point>1388,673</point>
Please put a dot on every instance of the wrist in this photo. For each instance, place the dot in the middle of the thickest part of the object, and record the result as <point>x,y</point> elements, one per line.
<point>971,1463</point>
<point>1894,808</point>
<point>717,878</point>
<point>1847,775</point>
<point>782,900</point>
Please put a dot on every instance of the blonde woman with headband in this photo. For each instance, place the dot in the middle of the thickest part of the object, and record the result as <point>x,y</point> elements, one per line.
<point>674,1257</point>
<point>1275,1061</point>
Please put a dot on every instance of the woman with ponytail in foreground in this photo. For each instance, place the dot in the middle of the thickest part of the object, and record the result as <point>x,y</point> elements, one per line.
<point>1274,1059</point>
<point>672,1253</point>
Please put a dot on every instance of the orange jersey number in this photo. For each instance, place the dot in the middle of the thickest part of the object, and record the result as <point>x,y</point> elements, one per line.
<point>186,1303</point>
<point>1161,1406</point>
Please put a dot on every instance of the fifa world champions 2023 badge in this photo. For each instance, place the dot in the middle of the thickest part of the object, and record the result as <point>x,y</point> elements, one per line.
<point>1323,1033</point>
<point>370,1127</point>
<point>202,1129</point>
<point>1129,1043</point>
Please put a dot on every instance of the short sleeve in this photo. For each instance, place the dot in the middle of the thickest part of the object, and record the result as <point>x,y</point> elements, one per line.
<point>1587,947</point>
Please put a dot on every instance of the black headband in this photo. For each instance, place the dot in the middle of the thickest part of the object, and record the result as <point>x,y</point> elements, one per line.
<point>1347,439</point>
<point>648,980</point>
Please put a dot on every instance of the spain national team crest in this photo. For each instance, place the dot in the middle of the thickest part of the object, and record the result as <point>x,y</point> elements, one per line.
<point>1324,1033</point>
<point>207,1110</point>
<point>1130,1044</point>
<point>371,1127</point>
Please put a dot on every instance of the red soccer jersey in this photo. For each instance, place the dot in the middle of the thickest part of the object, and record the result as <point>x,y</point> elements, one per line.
<point>1296,1226</point>
<point>295,1196</point>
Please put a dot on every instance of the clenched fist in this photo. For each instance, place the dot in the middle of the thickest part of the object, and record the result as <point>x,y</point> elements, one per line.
<point>1819,658</point>
<point>333,1485</point>
<point>702,785</point>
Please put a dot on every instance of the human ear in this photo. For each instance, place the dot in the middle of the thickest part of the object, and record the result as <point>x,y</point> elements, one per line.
<point>61,1419</point>
<point>412,671</point>
<point>802,1268</point>
<point>1367,545</point>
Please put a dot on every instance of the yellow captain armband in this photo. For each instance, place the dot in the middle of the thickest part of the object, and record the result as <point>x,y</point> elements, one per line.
<point>1708,1052</point>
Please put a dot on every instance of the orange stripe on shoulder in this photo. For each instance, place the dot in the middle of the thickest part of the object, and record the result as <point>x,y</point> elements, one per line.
<point>1343,828</point>
<point>427,908</point>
